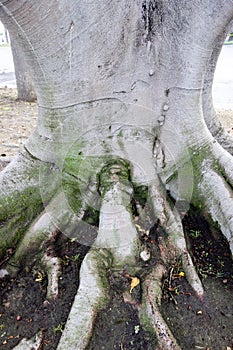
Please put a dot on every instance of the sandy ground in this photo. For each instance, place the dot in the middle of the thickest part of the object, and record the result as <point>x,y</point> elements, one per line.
<point>18,120</point>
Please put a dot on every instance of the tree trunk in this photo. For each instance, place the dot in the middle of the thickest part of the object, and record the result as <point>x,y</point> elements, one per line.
<point>123,92</point>
<point>25,86</point>
<point>6,36</point>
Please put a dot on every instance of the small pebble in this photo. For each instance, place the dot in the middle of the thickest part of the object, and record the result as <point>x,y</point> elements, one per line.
<point>3,273</point>
<point>165,107</point>
<point>18,318</point>
<point>145,255</point>
<point>46,303</point>
<point>199,312</point>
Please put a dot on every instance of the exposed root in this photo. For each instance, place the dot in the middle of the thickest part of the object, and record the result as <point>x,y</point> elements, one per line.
<point>218,201</point>
<point>92,295</point>
<point>225,161</point>
<point>35,343</point>
<point>32,242</point>
<point>175,245</point>
<point>18,170</point>
<point>52,265</point>
<point>116,229</point>
<point>115,246</point>
<point>41,230</point>
<point>53,269</point>
<point>150,314</point>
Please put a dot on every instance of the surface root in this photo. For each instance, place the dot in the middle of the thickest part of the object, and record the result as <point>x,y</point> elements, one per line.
<point>150,310</point>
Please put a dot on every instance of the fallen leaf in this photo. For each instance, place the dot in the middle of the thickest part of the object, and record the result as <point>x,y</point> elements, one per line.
<point>134,282</point>
<point>178,275</point>
<point>39,277</point>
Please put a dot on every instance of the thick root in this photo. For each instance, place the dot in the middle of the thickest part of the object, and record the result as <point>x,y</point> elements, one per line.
<point>175,244</point>
<point>218,201</point>
<point>20,197</point>
<point>92,295</point>
<point>116,229</point>
<point>32,242</point>
<point>150,314</point>
<point>41,231</point>
<point>115,246</point>
<point>22,170</point>
<point>224,161</point>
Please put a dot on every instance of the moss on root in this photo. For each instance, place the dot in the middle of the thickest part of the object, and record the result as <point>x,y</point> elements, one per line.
<point>17,212</point>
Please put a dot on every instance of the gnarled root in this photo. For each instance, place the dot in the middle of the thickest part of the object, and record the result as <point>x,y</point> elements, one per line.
<point>171,248</point>
<point>215,189</point>
<point>150,314</point>
<point>175,245</point>
<point>115,246</point>
<point>92,295</point>
<point>40,232</point>
<point>218,201</point>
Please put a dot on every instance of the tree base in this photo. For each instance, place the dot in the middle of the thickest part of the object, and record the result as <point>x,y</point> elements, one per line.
<point>119,320</point>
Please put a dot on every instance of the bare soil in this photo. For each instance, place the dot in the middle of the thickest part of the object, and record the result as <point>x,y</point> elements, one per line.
<point>17,122</point>
<point>24,310</point>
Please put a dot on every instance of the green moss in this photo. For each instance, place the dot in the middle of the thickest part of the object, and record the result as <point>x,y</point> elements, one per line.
<point>123,172</point>
<point>198,156</point>
<point>140,194</point>
<point>16,214</point>
<point>120,134</point>
<point>172,177</point>
<point>79,178</point>
<point>21,206</point>
<point>148,327</point>
<point>91,216</point>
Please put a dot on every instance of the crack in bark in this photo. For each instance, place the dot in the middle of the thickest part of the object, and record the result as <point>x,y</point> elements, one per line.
<point>152,15</point>
<point>80,103</point>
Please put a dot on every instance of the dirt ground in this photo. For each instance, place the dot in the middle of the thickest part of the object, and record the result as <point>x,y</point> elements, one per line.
<point>24,310</point>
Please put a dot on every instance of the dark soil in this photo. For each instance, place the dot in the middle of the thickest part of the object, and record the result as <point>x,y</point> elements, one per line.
<point>24,309</point>
<point>196,324</point>
<point>203,324</point>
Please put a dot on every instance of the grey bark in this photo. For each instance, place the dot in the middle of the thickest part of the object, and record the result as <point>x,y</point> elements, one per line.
<point>129,80</point>
<point>25,85</point>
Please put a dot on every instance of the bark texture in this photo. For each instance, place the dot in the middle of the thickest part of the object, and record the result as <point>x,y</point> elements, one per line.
<point>25,86</point>
<point>124,100</point>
